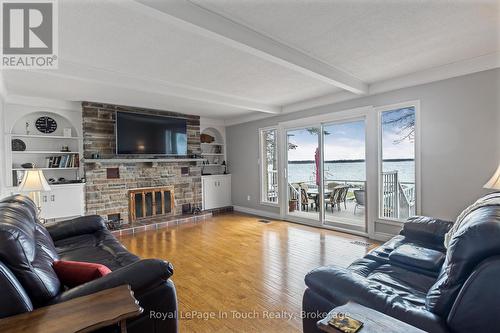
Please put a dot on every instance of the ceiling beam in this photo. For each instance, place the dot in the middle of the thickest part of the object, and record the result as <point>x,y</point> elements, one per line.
<point>205,22</point>
<point>80,72</point>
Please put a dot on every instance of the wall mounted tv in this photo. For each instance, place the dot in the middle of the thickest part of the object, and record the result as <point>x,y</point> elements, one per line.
<point>143,134</point>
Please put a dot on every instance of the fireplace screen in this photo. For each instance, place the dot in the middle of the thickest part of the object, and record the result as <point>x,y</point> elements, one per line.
<point>151,202</point>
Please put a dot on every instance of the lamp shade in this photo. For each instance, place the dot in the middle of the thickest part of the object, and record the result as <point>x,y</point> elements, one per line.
<point>34,181</point>
<point>494,182</point>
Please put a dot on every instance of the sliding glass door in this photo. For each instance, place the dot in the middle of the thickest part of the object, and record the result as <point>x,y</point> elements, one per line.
<point>344,174</point>
<point>325,174</point>
<point>303,173</point>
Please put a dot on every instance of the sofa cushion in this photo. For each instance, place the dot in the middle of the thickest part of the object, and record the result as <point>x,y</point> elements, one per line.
<point>418,256</point>
<point>370,283</point>
<point>12,291</point>
<point>426,230</point>
<point>24,202</point>
<point>389,289</point>
<point>28,252</point>
<point>99,247</point>
<point>475,240</point>
<point>383,253</point>
<point>75,273</point>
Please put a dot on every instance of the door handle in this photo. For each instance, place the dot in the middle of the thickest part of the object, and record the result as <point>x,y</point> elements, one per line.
<point>52,197</point>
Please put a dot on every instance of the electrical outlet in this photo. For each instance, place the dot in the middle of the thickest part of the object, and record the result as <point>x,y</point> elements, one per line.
<point>248,198</point>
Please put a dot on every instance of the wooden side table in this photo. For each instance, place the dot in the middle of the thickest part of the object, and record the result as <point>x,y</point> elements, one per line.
<point>373,321</point>
<point>82,314</point>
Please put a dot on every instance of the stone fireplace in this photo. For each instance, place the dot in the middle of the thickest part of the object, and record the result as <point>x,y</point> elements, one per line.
<point>110,184</point>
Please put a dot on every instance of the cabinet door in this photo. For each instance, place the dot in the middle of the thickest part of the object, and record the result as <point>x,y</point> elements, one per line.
<point>227,191</point>
<point>47,205</point>
<point>62,202</point>
<point>209,189</point>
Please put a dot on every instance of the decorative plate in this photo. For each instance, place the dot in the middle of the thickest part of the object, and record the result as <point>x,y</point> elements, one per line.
<point>18,145</point>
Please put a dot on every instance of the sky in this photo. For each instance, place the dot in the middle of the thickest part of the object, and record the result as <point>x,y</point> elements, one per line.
<point>346,141</point>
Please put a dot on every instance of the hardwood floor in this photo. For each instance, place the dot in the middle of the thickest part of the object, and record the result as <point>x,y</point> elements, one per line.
<point>242,271</point>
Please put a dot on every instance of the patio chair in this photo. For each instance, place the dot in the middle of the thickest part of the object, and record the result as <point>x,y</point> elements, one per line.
<point>339,195</point>
<point>359,197</point>
<point>305,199</point>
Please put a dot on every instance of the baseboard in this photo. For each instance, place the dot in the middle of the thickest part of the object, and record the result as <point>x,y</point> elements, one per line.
<point>382,236</point>
<point>257,212</point>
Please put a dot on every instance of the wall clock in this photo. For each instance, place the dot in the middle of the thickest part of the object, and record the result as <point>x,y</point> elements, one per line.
<point>46,125</point>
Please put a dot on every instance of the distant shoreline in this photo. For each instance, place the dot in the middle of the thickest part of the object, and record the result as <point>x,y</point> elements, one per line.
<point>351,161</point>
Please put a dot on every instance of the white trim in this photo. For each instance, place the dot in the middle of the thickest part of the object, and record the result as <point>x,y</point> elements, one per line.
<point>261,165</point>
<point>204,22</point>
<point>257,212</point>
<point>418,176</point>
<point>328,117</point>
<point>396,223</point>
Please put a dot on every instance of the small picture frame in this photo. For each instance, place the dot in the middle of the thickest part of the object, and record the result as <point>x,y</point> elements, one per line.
<point>67,132</point>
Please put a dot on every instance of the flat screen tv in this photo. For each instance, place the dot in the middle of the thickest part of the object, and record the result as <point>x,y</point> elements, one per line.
<point>142,134</point>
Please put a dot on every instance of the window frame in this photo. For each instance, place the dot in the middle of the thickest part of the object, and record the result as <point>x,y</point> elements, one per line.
<point>418,198</point>
<point>262,172</point>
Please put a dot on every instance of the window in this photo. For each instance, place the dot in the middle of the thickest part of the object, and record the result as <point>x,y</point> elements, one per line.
<point>398,176</point>
<point>269,165</point>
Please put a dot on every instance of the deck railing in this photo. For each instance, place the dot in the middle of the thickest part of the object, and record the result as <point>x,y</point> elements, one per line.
<point>397,197</point>
<point>272,186</point>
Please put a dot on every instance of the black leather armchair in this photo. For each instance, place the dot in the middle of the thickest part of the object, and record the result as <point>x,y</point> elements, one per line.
<point>415,279</point>
<point>28,249</point>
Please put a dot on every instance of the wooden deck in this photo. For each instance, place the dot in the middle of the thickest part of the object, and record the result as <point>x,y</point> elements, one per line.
<point>344,216</point>
<point>240,269</point>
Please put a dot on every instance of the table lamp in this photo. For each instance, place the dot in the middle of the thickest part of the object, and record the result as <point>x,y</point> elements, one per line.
<point>34,182</point>
<point>494,182</point>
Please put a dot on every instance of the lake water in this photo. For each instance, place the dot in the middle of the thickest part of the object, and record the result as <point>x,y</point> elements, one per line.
<point>348,171</point>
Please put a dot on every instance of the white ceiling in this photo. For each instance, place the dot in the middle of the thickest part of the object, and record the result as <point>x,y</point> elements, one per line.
<point>145,54</point>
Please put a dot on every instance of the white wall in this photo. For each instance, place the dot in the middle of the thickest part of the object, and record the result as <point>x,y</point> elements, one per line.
<point>460,142</point>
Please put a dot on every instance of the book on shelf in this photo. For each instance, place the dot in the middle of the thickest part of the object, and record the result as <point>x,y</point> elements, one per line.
<point>63,161</point>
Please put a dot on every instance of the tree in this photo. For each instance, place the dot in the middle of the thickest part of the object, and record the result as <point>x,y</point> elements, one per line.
<point>404,120</point>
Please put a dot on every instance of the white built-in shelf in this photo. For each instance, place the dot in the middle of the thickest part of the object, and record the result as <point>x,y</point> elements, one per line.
<point>141,160</point>
<point>25,169</point>
<point>212,154</point>
<point>44,152</point>
<point>45,136</point>
<point>212,144</point>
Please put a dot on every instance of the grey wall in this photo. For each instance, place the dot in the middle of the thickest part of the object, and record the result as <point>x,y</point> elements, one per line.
<point>2,147</point>
<point>460,141</point>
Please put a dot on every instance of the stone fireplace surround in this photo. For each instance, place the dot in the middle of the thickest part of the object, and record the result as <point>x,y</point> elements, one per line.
<point>107,196</point>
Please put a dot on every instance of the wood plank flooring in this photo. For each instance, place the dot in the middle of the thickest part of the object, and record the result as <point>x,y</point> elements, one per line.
<point>238,272</point>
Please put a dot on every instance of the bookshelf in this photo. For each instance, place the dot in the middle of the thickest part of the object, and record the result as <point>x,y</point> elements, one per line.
<point>45,151</point>
<point>213,153</point>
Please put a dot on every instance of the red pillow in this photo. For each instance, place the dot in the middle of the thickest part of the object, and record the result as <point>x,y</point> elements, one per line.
<point>75,273</point>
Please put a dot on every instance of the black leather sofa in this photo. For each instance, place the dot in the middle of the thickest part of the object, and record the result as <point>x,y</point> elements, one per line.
<point>415,279</point>
<point>28,249</point>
